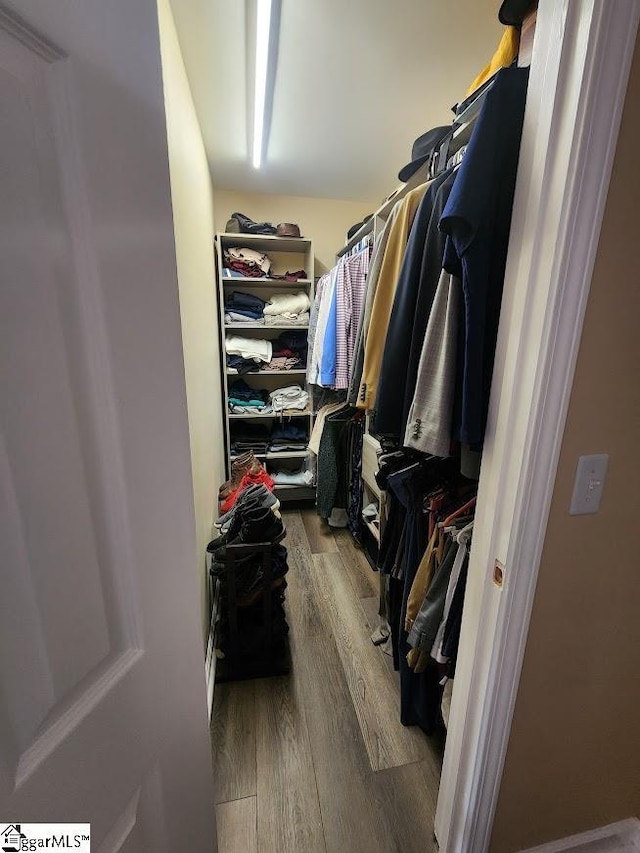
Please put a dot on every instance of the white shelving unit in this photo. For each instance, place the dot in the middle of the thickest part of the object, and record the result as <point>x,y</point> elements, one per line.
<point>286,254</point>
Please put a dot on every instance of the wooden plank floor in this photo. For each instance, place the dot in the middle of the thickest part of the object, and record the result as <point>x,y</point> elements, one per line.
<point>318,762</point>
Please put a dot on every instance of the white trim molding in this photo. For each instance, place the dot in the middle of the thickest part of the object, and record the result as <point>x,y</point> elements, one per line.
<point>580,67</point>
<point>623,837</point>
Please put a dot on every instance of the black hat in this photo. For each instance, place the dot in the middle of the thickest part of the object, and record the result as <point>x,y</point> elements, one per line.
<point>513,12</point>
<point>355,228</point>
<point>422,149</point>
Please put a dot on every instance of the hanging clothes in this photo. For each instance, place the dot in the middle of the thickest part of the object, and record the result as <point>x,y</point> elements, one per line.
<point>335,320</point>
<point>429,420</point>
<point>414,294</point>
<point>375,265</point>
<point>333,470</point>
<point>384,295</point>
<point>420,694</point>
<point>324,299</point>
<point>313,322</point>
<point>504,55</point>
<point>350,293</point>
<point>477,218</point>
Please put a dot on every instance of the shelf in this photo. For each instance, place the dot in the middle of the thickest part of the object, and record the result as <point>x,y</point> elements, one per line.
<point>375,532</point>
<point>266,243</point>
<point>245,326</point>
<point>270,456</point>
<point>232,372</point>
<point>274,282</point>
<point>281,487</point>
<point>287,413</point>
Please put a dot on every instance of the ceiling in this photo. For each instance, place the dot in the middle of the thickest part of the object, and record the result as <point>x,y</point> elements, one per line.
<point>357,81</point>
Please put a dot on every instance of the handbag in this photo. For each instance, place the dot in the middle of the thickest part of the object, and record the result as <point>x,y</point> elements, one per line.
<point>248,226</point>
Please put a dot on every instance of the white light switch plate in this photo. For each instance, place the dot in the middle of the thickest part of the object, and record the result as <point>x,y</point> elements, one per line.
<point>588,485</point>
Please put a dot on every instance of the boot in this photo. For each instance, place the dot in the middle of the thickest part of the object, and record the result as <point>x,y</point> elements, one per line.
<point>243,465</point>
<point>259,524</point>
<point>231,527</point>
<point>252,478</point>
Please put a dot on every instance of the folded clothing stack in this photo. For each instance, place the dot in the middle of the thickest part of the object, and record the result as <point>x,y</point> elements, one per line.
<point>249,436</point>
<point>290,397</point>
<point>248,262</point>
<point>283,309</point>
<point>287,437</point>
<point>244,400</point>
<point>287,309</point>
<point>289,350</point>
<point>301,477</point>
<point>244,308</point>
<point>296,275</point>
<point>256,350</point>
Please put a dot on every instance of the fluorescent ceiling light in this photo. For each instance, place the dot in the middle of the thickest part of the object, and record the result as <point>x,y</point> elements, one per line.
<point>263,35</point>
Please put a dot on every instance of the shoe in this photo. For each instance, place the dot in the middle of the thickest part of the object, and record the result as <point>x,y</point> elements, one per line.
<point>235,516</point>
<point>256,478</point>
<point>275,509</point>
<point>233,530</point>
<point>258,525</point>
<point>245,464</point>
<point>239,464</point>
<point>257,493</point>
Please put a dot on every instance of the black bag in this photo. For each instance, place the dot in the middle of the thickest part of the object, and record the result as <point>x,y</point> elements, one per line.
<point>248,226</point>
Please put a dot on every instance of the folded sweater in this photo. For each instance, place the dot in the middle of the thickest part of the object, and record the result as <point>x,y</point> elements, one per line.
<point>254,348</point>
<point>287,303</point>
<point>291,397</point>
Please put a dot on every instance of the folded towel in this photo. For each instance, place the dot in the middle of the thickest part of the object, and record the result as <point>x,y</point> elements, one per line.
<point>291,303</point>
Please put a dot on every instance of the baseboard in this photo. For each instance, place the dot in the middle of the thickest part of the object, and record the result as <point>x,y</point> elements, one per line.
<point>621,837</point>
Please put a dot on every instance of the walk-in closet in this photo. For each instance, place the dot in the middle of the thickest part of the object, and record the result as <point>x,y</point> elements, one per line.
<point>356,360</point>
<point>318,356</point>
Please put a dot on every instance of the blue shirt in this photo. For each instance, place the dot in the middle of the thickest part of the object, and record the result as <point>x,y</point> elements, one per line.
<point>329,358</point>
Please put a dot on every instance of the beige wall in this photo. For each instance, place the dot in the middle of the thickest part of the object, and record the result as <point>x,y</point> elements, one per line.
<point>192,200</point>
<point>573,760</point>
<point>325,221</point>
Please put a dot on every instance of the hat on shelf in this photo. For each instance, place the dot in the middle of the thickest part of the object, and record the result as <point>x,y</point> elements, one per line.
<point>288,229</point>
<point>422,149</point>
<point>513,12</point>
<point>358,225</point>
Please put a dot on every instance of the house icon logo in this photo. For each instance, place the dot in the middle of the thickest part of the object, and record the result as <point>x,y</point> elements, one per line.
<point>10,838</point>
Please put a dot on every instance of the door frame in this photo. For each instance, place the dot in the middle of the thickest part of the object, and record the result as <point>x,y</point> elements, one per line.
<point>580,68</point>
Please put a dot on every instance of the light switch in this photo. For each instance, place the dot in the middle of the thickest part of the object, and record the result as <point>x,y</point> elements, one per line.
<point>589,482</point>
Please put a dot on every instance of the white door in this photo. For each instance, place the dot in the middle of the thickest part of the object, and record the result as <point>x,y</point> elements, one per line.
<point>103,709</point>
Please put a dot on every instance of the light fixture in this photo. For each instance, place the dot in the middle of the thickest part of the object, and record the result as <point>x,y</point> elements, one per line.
<point>263,40</point>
